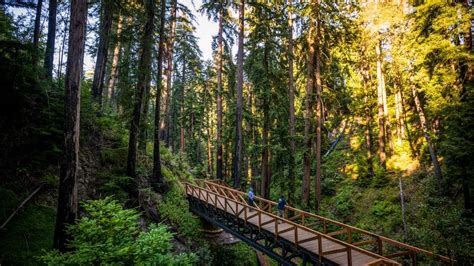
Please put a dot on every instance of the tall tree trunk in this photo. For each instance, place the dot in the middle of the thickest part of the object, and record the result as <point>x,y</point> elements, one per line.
<point>291,96</point>
<point>37,31</point>
<point>209,154</point>
<point>388,127</point>
<point>49,55</point>
<point>237,159</point>
<point>157,176</point>
<point>307,115</point>
<point>123,82</point>
<point>368,123</point>
<point>399,115</point>
<point>164,127</point>
<point>380,108</point>
<point>253,158</point>
<point>181,100</point>
<point>67,198</point>
<point>143,131</point>
<point>144,68</point>
<point>319,110</point>
<point>115,62</point>
<point>266,175</point>
<point>424,126</point>
<point>225,156</point>
<point>63,42</point>
<point>102,50</point>
<point>219,100</point>
<point>406,129</point>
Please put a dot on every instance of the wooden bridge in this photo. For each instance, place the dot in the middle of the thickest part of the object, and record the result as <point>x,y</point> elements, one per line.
<point>300,237</point>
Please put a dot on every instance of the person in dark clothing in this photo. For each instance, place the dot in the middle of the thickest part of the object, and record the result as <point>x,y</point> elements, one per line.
<point>281,207</point>
<point>251,197</point>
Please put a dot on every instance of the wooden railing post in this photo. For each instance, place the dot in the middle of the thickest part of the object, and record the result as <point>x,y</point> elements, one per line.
<point>349,256</point>
<point>379,246</point>
<point>320,249</point>
<point>302,218</point>
<point>349,235</point>
<point>413,259</point>
<point>245,214</point>
<point>296,237</point>
<point>259,220</point>
<point>325,227</point>
<point>276,229</point>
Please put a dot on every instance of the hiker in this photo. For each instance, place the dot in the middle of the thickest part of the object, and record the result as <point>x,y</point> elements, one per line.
<point>281,207</point>
<point>251,196</point>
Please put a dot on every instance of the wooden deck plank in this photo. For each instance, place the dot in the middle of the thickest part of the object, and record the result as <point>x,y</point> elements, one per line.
<point>339,258</point>
<point>360,258</point>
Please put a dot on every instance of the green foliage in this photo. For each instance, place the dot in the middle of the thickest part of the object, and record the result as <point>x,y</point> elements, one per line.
<point>238,254</point>
<point>109,234</point>
<point>343,202</point>
<point>382,208</point>
<point>174,206</point>
<point>438,222</point>
<point>27,234</point>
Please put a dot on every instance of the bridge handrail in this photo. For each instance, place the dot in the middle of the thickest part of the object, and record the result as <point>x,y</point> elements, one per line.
<point>276,219</point>
<point>300,214</point>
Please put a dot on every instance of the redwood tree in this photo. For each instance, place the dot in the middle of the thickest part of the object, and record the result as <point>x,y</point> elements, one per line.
<point>49,55</point>
<point>67,198</point>
<point>237,158</point>
<point>144,69</point>
<point>157,176</point>
<point>106,18</point>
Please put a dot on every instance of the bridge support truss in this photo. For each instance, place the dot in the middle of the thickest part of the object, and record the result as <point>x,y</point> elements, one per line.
<point>278,248</point>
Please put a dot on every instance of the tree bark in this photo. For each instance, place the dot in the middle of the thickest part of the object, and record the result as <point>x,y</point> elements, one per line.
<point>115,62</point>
<point>291,96</point>
<point>266,175</point>
<point>169,71</point>
<point>37,31</point>
<point>181,100</point>
<point>143,131</point>
<point>237,159</point>
<point>368,123</point>
<point>49,55</point>
<point>399,114</point>
<point>319,109</point>
<point>209,154</point>
<point>157,175</point>
<point>388,127</point>
<point>144,68</point>
<point>308,114</point>
<point>380,107</point>
<point>67,198</point>
<point>102,50</point>
<point>219,100</point>
<point>63,42</point>
<point>424,126</point>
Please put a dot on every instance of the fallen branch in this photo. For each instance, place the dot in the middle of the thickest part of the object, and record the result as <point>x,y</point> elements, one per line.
<point>333,145</point>
<point>40,186</point>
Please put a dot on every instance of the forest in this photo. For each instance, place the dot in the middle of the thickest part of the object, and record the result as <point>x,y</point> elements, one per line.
<point>357,114</point>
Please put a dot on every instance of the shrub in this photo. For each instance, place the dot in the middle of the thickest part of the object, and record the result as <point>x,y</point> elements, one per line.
<point>109,234</point>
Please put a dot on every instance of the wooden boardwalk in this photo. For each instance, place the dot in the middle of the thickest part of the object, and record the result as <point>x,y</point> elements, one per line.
<point>321,245</point>
<point>325,238</point>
